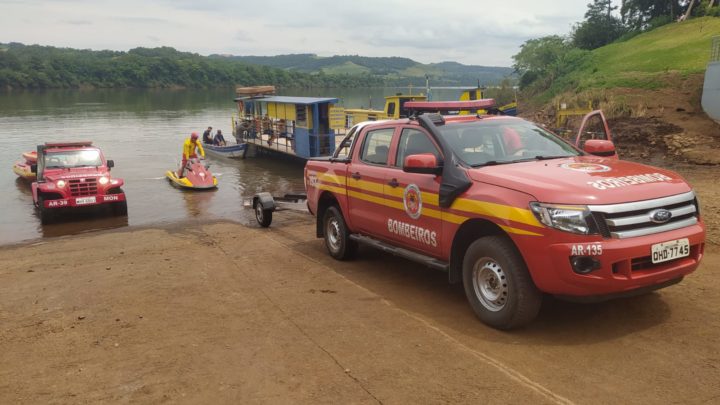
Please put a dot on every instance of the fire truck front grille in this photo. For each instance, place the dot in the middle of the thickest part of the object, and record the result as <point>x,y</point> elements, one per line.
<point>638,218</point>
<point>81,187</point>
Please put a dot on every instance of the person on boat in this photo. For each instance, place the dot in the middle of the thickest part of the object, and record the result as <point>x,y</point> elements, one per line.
<point>189,147</point>
<point>206,136</point>
<point>219,139</point>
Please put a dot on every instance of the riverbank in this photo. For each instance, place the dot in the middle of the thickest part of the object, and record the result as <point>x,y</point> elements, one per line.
<point>222,312</point>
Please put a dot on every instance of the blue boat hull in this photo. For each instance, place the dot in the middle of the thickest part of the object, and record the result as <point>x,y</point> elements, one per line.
<point>230,151</point>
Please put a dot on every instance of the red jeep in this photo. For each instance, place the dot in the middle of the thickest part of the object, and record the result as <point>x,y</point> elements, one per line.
<point>507,208</point>
<point>72,175</point>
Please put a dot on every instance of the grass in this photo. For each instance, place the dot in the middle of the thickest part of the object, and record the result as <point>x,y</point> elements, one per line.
<point>644,60</point>
<point>346,68</point>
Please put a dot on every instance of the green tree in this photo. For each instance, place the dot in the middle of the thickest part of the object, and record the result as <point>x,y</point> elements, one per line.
<point>600,26</point>
<point>540,58</point>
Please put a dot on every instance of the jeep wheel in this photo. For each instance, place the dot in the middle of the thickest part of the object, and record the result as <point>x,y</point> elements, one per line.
<point>120,209</point>
<point>337,236</point>
<point>262,216</point>
<point>46,214</point>
<point>498,285</point>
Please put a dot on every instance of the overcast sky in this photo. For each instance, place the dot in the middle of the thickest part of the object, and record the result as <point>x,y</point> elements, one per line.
<point>479,32</point>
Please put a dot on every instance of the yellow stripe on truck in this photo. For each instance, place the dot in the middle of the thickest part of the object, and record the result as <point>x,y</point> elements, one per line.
<point>496,210</point>
<point>500,211</point>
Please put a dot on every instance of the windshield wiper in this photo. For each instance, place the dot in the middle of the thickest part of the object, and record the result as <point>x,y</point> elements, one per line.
<point>540,157</point>
<point>495,162</point>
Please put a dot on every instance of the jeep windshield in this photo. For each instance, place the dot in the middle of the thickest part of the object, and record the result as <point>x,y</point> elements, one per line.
<point>72,158</point>
<point>485,143</point>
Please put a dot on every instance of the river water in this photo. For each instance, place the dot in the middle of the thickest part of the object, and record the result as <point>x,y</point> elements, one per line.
<point>143,131</point>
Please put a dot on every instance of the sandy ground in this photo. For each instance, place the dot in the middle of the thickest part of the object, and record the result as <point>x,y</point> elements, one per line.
<point>223,313</point>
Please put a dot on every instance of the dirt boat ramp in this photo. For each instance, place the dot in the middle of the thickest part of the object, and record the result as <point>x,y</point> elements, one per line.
<point>224,313</point>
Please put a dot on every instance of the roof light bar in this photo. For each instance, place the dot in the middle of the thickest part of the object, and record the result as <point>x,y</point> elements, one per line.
<point>67,144</point>
<point>481,104</point>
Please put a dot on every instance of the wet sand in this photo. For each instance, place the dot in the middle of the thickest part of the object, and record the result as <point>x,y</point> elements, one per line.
<point>225,313</point>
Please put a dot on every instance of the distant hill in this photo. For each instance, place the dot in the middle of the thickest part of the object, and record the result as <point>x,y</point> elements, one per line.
<point>393,69</point>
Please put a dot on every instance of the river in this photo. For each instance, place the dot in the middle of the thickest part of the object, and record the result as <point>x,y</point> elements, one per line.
<point>143,131</point>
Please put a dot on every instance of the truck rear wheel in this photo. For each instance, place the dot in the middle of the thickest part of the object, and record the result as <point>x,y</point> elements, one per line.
<point>498,284</point>
<point>337,236</point>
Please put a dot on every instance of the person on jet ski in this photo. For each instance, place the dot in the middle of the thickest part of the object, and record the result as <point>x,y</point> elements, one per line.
<point>189,152</point>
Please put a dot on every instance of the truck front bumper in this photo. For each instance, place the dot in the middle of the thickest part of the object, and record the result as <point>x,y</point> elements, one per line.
<point>84,201</point>
<point>623,266</point>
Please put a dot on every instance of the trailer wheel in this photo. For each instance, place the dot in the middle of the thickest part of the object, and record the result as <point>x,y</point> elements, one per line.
<point>498,285</point>
<point>46,215</point>
<point>262,216</point>
<point>337,236</point>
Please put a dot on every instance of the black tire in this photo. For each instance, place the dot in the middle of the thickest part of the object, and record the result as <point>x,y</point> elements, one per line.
<point>120,209</point>
<point>262,216</point>
<point>498,285</point>
<point>47,216</point>
<point>337,236</point>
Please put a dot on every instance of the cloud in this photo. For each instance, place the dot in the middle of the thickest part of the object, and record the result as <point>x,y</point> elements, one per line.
<point>77,22</point>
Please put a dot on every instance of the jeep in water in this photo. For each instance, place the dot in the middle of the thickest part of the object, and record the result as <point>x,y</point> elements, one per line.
<point>71,175</point>
<point>507,208</point>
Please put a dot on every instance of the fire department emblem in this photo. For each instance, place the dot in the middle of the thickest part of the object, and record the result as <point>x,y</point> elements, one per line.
<point>412,200</point>
<point>586,167</point>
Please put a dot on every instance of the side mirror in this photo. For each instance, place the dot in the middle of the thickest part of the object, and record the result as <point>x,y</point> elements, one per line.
<point>425,163</point>
<point>600,147</point>
<point>110,163</point>
<point>33,168</point>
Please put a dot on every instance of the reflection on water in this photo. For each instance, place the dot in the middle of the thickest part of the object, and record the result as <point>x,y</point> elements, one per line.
<point>143,131</point>
<point>74,224</point>
<point>197,202</point>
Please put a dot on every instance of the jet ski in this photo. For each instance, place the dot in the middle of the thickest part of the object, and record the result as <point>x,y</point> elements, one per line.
<point>197,177</point>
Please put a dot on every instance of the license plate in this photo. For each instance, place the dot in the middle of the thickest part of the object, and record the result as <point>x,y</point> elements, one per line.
<point>85,200</point>
<point>662,252</point>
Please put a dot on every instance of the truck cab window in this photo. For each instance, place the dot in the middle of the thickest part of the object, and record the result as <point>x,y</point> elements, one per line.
<point>413,142</point>
<point>376,146</point>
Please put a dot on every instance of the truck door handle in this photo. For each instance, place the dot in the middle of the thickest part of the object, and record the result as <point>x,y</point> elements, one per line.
<point>355,175</point>
<point>393,183</point>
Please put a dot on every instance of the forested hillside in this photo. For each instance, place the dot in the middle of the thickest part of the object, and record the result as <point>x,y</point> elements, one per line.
<point>34,66</point>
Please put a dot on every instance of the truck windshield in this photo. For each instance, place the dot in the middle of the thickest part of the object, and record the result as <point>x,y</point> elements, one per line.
<point>72,158</point>
<point>481,143</point>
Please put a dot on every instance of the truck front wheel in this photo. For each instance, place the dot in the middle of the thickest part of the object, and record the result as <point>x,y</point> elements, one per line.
<point>120,209</point>
<point>47,215</point>
<point>337,236</point>
<point>498,284</point>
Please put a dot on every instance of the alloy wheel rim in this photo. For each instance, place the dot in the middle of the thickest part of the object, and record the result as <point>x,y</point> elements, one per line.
<point>490,284</point>
<point>259,212</point>
<point>333,232</point>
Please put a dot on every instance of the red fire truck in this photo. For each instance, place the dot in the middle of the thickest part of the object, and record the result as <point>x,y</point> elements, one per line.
<point>71,175</point>
<point>507,208</point>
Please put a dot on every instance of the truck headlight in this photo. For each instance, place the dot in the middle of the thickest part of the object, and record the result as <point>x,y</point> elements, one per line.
<point>568,218</point>
<point>103,180</point>
<point>60,183</point>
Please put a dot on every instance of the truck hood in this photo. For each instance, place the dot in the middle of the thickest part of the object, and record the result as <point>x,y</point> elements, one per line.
<point>583,180</point>
<point>75,173</point>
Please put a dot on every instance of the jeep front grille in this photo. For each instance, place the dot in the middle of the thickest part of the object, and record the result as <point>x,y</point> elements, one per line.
<point>81,187</point>
<point>628,220</point>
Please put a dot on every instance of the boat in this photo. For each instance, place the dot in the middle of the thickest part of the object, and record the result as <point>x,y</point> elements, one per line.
<point>23,168</point>
<point>228,151</point>
<point>197,177</point>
